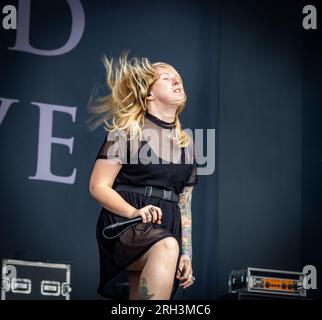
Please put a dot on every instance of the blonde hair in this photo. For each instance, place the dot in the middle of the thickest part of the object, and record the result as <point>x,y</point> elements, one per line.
<point>129,82</point>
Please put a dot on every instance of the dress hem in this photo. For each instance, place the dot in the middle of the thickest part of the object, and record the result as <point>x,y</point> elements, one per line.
<point>101,286</point>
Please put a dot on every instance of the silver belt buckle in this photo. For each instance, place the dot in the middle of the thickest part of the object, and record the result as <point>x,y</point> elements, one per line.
<point>166,194</point>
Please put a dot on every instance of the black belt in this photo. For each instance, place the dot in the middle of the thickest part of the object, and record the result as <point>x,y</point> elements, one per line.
<point>149,191</point>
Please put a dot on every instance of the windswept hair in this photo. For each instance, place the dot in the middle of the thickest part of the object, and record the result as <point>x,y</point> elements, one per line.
<point>129,81</point>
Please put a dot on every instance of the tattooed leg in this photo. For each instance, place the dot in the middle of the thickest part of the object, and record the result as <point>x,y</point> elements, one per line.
<point>158,274</point>
<point>144,291</point>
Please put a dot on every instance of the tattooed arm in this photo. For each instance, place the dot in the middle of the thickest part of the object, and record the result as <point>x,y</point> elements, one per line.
<point>186,218</point>
<point>185,265</point>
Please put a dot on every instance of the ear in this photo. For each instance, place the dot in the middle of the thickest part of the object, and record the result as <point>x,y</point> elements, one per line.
<point>149,96</point>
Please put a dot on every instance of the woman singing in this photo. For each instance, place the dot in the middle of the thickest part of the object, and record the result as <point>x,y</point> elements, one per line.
<point>145,168</point>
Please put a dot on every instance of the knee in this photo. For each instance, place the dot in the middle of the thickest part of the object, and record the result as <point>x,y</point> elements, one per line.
<point>169,246</point>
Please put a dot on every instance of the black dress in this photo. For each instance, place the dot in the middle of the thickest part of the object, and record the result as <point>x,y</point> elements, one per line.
<point>155,161</point>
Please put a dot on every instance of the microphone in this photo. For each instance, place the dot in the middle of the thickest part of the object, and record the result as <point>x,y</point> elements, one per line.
<point>114,230</point>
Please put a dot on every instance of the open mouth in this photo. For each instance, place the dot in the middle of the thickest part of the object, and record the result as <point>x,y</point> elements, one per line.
<point>178,90</point>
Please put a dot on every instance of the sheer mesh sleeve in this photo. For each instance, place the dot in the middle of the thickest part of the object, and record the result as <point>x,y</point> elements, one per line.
<point>193,177</point>
<point>114,147</point>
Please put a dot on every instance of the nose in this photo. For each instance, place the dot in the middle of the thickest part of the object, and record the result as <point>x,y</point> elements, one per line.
<point>176,81</point>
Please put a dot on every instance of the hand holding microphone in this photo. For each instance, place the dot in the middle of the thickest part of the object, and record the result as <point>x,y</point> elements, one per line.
<point>146,214</point>
<point>149,213</point>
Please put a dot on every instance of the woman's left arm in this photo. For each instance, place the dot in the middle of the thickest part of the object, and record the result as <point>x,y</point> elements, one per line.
<point>186,221</point>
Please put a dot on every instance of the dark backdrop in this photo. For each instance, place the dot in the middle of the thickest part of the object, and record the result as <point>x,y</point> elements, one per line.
<point>250,71</point>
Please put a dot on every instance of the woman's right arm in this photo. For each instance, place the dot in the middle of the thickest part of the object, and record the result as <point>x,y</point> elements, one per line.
<point>100,188</point>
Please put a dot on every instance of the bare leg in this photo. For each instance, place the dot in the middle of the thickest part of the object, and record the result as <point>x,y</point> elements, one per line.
<point>158,266</point>
<point>157,276</point>
<point>134,280</point>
